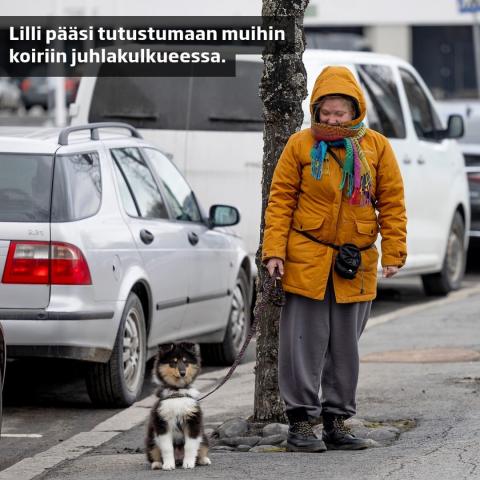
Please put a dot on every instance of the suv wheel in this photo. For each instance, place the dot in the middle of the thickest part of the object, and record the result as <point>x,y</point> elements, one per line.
<point>118,382</point>
<point>453,269</point>
<point>226,352</point>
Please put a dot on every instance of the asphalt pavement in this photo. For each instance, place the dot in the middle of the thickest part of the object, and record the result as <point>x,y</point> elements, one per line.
<point>421,366</point>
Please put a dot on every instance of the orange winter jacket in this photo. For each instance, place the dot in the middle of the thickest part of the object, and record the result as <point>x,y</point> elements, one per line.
<point>298,201</point>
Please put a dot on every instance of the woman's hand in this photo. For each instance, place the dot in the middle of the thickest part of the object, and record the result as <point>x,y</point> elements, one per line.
<point>389,271</point>
<point>274,263</point>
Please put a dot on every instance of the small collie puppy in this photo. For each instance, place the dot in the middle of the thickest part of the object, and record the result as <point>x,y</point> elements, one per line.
<point>175,427</point>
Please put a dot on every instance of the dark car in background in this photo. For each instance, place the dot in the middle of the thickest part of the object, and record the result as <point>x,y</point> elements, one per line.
<point>39,91</point>
<point>470,147</point>
<point>471,153</point>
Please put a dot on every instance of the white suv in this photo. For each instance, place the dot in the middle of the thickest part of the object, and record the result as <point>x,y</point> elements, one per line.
<point>214,135</point>
<point>105,253</point>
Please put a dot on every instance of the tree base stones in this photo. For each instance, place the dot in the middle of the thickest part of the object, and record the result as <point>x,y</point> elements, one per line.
<point>239,435</point>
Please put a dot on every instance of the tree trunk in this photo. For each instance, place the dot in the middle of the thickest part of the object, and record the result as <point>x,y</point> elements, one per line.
<point>282,89</point>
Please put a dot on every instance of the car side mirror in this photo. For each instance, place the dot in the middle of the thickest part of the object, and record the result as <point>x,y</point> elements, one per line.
<point>455,128</point>
<point>223,216</point>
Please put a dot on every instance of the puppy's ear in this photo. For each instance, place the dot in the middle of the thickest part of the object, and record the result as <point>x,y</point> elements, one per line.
<point>164,348</point>
<point>190,347</point>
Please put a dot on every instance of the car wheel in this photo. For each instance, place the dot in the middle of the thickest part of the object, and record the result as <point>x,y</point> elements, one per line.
<point>118,382</point>
<point>226,352</point>
<point>453,269</point>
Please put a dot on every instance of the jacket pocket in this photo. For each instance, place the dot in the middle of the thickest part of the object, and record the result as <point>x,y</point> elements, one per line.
<point>367,228</point>
<point>308,224</point>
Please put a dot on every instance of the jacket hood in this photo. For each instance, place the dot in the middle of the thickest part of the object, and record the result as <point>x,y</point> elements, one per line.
<point>339,80</point>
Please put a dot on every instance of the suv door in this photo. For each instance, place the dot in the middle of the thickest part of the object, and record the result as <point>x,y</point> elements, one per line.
<point>209,258</point>
<point>386,116</point>
<point>431,208</point>
<point>25,198</point>
<point>161,243</point>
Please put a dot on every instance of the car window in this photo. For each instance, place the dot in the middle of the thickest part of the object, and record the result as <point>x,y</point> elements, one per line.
<point>383,102</point>
<point>217,103</point>
<point>425,120</point>
<point>77,187</point>
<point>228,103</point>
<point>178,194</point>
<point>25,187</point>
<point>144,102</point>
<point>141,182</point>
<point>471,160</point>
<point>126,195</point>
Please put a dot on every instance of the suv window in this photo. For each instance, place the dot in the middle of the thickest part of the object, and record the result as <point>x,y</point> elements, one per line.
<point>425,120</point>
<point>77,187</point>
<point>178,194</point>
<point>383,102</point>
<point>25,187</point>
<point>228,103</point>
<point>140,182</point>
<point>144,102</point>
<point>220,103</point>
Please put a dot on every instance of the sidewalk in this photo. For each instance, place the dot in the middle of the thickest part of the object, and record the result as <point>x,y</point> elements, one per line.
<point>443,397</point>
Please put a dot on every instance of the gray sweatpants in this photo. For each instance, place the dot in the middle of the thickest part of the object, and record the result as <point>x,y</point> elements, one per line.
<point>318,347</point>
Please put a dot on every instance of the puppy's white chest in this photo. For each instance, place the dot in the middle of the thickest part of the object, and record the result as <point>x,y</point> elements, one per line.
<point>175,409</point>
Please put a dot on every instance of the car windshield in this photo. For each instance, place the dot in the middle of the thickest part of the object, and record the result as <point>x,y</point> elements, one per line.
<point>25,187</point>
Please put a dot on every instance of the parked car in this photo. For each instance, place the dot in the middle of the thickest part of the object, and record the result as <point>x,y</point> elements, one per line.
<point>10,95</point>
<point>471,154</point>
<point>214,134</point>
<point>470,147</point>
<point>3,364</point>
<point>105,252</point>
<point>39,91</point>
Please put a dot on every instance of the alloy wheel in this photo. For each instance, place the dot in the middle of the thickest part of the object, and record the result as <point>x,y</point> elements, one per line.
<point>131,350</point>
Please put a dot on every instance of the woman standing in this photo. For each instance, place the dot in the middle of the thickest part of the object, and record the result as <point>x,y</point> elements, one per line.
<point>328,184</point>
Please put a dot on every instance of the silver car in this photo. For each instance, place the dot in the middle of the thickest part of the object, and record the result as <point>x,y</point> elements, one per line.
<point>105,253</point>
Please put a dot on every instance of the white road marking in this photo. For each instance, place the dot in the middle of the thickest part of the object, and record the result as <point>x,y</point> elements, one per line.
<point>21,435</point>
<point>412,309</point>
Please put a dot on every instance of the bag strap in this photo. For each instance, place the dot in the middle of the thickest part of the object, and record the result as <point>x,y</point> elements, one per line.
<point>334,155</point>
<point>332,245</point>
<point>311,237</point>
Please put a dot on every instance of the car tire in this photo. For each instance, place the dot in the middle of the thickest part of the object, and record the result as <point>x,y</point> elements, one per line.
<point>453,268</point>
<point>226,352</point>
<point>118,383</point>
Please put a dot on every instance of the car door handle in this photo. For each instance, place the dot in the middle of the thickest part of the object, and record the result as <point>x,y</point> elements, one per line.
<point>407,160</point>
<point>193,238</point>
<point>146,236</point>
<point>421,161</point>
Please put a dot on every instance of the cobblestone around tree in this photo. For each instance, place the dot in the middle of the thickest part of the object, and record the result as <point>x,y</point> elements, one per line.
<point>239,435</point>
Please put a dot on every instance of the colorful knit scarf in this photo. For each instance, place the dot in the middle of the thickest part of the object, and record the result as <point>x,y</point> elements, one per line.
<point>357,176</point>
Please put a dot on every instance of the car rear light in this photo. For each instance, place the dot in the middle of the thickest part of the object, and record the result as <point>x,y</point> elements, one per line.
<point>25,85</point>
<point>68,265</point>
<point>474,177</point>
<point>45,263</point>
<point>27,262</point>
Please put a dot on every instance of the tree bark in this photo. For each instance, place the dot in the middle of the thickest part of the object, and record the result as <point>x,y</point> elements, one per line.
<point>282,89</point>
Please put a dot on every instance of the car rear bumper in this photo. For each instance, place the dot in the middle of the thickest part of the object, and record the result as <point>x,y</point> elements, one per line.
<point>78,335</point>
